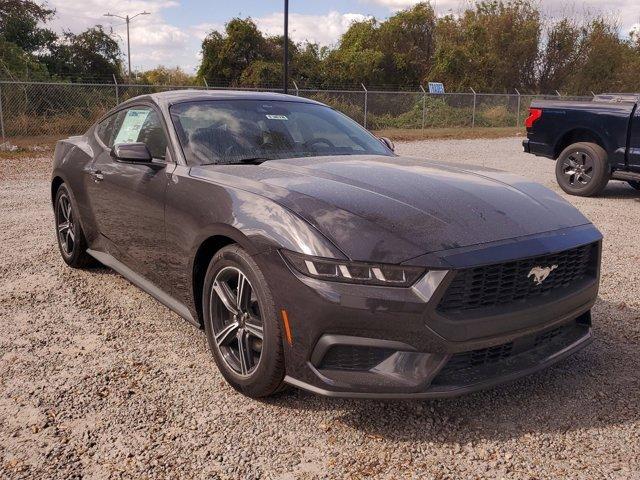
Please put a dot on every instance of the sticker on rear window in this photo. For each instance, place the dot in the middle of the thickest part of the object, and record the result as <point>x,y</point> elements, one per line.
<point>277,117</point>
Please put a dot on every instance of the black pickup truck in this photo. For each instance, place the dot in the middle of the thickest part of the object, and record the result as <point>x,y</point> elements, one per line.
<point>592,141</point>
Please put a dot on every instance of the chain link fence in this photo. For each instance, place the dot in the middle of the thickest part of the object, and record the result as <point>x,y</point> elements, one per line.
<point>55,110</point>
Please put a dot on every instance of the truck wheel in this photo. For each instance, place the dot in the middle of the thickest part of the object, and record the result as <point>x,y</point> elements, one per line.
<point>583,169</point>
<point>635,184</point>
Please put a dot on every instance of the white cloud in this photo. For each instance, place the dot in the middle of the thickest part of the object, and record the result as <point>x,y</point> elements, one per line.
<point>154,41</point>
<point>441,6</point>
<point>322,29</point>
<point>627,12</point>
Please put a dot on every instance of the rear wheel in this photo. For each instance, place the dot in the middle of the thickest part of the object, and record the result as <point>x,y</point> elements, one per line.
<point>241,324</point>
<point>635,184</point>
<point>71,240</point>
<point>582,169</point>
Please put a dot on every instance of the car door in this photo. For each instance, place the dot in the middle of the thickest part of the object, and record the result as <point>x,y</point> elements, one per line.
<point>128,198</point>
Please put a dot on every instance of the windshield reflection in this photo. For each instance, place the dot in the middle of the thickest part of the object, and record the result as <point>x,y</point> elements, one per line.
<point>251,131</point>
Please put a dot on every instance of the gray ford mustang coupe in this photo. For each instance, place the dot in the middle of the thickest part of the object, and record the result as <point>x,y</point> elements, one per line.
<point>314,256</point>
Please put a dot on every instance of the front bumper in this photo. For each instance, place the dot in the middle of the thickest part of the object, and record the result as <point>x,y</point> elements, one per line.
<point>385,342</point>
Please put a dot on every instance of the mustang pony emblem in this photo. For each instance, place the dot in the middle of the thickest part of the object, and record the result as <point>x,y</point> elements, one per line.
<point>540,274</point>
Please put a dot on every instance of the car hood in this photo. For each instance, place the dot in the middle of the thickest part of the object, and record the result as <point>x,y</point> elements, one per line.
<point>391,209</point>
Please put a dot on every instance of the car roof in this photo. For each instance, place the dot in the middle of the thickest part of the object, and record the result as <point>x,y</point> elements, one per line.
<point>172,97</point>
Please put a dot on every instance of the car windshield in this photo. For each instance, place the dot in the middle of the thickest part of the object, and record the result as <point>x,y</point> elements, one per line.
<point>253,131</point>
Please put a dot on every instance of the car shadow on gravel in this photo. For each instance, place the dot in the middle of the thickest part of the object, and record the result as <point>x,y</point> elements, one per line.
<point>592,389</point>
<point>620,190</point>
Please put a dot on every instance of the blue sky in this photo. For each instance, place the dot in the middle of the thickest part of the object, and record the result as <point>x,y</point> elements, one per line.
<point>172,34</point>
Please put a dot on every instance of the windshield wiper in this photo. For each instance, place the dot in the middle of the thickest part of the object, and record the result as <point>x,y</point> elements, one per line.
<point>250,161</point>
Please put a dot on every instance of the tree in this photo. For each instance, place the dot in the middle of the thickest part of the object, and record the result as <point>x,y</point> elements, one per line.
<point>21,37</point>
<point>407,41</point>
<point>19,24</point>
<point>261,73</point>
<point>162,75</point>
<point>397,52</point>
<point>493,47</point>
<point>87,54</point>
<point>560,55</point>
<point>601,60</point>
<point>226,56</point>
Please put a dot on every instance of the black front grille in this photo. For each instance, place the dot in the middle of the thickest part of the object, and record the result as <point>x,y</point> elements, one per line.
<point>510,282</point>
<point>355,358</point>
<point>478,365</point>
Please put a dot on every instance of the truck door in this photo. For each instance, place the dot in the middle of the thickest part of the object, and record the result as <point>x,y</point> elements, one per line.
<point>634,142</point>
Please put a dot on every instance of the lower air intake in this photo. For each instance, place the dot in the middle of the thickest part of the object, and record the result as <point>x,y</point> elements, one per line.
<point>354,358</point>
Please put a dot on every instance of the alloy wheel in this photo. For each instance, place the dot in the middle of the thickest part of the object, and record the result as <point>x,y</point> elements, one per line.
<point>65,225</point>
<point>577,169</point>
<point>236,321</point>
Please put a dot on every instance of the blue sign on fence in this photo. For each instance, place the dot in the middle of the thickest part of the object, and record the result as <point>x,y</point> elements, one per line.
<point>436,87</point>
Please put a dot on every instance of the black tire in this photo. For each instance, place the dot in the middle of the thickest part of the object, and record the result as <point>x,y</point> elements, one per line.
<point>255,377</point>
<point>635,184</point>
<point>71,240</point>
<point>583,169</point>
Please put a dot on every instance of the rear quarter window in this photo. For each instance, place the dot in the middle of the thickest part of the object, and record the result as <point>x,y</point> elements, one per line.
<point>104,130</point>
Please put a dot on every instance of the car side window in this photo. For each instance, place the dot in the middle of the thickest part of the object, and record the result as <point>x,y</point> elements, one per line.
<point>104,130</point>
<point>140,124</point>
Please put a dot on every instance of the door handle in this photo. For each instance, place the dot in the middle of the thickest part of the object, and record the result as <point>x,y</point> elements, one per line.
<point>97,175</point>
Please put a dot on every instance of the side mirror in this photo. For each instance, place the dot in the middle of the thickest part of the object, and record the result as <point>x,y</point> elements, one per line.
<point>131,152</point>
<point>388,143</point>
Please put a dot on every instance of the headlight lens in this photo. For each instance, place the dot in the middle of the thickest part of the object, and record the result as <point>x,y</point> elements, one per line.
<point>353,272</point>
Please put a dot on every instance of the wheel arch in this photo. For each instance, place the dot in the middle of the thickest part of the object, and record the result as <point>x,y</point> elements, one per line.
<point>576,135</point>
<point>55,185</point>
<point>211,244</point>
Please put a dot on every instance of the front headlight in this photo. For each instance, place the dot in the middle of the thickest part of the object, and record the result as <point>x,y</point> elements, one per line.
<point>353,272</point>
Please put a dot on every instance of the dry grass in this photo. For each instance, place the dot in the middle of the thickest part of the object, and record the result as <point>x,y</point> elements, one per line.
<point>459,133</point>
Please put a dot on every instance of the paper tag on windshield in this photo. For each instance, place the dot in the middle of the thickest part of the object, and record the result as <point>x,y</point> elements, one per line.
<point>277,117</point>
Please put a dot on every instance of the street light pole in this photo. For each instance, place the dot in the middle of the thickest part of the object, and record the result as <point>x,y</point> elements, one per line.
<point>127,19</point>
<point>286,47</point>
<point>128,49</point>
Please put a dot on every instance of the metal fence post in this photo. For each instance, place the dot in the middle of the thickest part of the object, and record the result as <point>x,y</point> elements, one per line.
<point>2,119</point>
<point>295,85</point>
<point>424,105</point>
<point>366,94</point>
<point>473,112</point>
<point>518,109</point>
<point>117,93</point>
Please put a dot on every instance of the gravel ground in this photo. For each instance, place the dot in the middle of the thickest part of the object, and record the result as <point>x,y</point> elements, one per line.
<point>98,380</point>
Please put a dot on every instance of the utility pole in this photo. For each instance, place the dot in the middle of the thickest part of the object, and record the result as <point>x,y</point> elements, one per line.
<point>286,48</point>
<point>127,19</point>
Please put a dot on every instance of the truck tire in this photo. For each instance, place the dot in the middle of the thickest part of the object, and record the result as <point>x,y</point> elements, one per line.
<point>583,169</point>
<point>635,184</point>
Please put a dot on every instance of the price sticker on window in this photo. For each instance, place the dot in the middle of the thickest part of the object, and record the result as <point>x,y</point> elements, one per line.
<point>131,126</point>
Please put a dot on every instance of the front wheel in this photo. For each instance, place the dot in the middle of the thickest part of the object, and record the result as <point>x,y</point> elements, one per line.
<point>241,324</point>
<point>582,169</point>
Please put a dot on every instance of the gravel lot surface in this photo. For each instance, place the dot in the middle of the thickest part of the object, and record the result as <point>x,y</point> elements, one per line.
<point>98,380</point>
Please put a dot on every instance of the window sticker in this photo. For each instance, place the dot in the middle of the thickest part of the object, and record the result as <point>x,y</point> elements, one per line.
<point>131,126</point>
<point>277,117</point>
